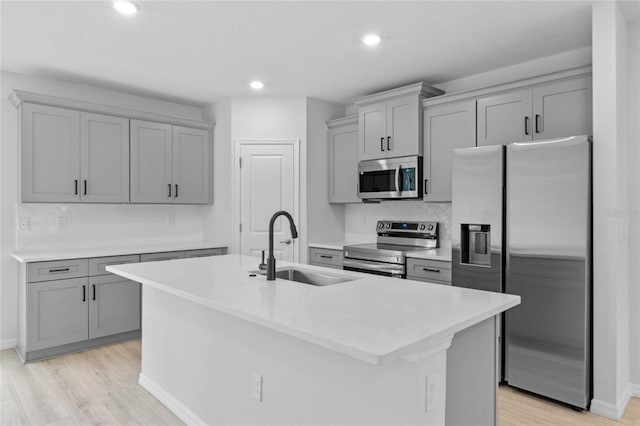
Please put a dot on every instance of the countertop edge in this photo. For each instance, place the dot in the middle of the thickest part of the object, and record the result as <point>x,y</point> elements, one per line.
<point>64,254</point>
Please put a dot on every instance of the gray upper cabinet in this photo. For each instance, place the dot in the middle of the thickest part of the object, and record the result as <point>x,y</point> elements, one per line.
<point>190,166</point>
<point>57,312</point>
<point>390,123</point>
<point>504,118</point>
<point>151,162</point>
<point>114,305</point>
<point>446,127</point>
<point>562,108</point>
<point>548,110</point>
<point>373,131</point>
<point>390,129</point>
<point>104,168</point>
<point>50,156</point>
<point>404,126</point>
<point>169,164</point>
<point>343,160</point>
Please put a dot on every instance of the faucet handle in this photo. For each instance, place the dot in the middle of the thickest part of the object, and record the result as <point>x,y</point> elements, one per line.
<point>262,266</point>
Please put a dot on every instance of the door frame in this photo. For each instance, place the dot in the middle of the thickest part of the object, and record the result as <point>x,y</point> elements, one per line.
<point>236,187</point>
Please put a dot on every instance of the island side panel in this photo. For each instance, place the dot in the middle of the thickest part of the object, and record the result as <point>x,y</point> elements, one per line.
<point>199,362</point>
<point>471,376</point>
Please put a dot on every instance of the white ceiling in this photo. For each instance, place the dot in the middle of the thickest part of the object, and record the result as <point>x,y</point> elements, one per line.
<point>198,51</point>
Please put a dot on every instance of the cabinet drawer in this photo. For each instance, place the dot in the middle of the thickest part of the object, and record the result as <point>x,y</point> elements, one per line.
<point>428,270</point>
<point>57,270</point>
<point>168,255</point>
<point>97,264</point>
<point>324,257</point>
<point>205,252</point>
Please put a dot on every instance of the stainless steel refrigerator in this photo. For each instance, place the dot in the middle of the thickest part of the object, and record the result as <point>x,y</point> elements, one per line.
<point>521,223</point>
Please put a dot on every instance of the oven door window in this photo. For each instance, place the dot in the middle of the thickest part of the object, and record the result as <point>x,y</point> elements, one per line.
<point>378,181</point>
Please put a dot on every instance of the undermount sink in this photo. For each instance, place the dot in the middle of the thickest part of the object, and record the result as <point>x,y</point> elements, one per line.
<point>306,276</point>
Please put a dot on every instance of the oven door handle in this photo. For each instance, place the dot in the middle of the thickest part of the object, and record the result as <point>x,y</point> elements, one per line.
<point>374,266</point>
<point>398,183</point>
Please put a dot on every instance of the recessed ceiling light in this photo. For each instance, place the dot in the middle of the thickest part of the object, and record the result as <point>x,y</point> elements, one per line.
<point>256,85</point>
<point>371,39</point>
<point>126,7</point>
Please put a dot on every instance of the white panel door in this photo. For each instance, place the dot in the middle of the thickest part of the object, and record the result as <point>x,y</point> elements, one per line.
<point>50,169</point>
<point>104,165</point>
<point>190,166</point>
<point>151,162</point>
<point>267,183</point>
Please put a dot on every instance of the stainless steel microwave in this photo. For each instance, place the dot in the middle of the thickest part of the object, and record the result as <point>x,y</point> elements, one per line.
<point>390,178</point>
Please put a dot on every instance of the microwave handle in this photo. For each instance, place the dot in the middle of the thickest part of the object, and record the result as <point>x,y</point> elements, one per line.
<point>398,182</point>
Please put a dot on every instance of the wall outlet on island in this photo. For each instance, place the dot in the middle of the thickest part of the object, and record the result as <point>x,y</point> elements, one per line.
<point>432,396</point>
<point>171,219</point>
<point>23,223</point>
<point>256,386</point>
<point>61,222</point>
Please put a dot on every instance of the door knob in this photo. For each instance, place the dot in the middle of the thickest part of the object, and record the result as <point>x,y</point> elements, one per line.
<point>287,241</point>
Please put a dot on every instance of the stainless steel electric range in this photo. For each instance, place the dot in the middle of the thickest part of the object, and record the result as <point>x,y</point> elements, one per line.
<point>388,255</point>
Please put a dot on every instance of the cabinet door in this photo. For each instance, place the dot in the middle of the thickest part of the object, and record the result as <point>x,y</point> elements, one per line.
<point>114,305</point>
<point>446,127</point>
<point>151,162</point>
<point>104,165</point>
<point>372,131</point>
<point>156,257</point>
<point>204,252</point>
<point>505,118</point>
<point>404,127</point>
<point>190,166</point>
<point>57,313</point>
<point>562,109</point>
<point>50,157</point>
<point>343,164</point>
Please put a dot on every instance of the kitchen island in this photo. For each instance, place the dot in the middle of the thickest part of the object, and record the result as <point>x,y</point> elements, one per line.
<point>220,346</point>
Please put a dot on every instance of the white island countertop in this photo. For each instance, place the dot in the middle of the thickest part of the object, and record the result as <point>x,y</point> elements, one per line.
<point>371,318</point>
<point>63,253</point>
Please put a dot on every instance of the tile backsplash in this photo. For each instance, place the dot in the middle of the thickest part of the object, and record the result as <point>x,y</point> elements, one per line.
<point>95,225</point>
<point>360,219</point>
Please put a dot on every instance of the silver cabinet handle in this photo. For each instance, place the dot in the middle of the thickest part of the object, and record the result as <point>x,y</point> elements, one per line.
<point>287,241</point>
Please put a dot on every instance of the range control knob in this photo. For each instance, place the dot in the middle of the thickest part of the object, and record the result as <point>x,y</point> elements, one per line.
<point>422,227</point>
<point>380,225</point>
<point>430,227</point>
<point>388,225</point>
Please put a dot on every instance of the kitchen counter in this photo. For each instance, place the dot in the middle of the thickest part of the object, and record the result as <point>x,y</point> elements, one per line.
<point>220,346</point>
<point>336,245</point>
<point>43,255</point>
<point>443,254</point>
<point>374,329</point>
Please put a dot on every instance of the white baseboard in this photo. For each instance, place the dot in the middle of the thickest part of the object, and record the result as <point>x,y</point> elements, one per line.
<point>612,411</point>
<point>176,407</point>
<point>8,344</point>
<point>635,390</point>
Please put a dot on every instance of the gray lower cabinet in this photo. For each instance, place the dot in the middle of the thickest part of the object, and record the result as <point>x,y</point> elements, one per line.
<point>325,257</point>
<point>57,313</point>
<point>205,252</point>
<point>114,305</point>
<point>156,257</point>
<point>427,270</point>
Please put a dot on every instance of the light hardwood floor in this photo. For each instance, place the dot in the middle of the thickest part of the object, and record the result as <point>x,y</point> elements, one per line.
<point>100,387</point>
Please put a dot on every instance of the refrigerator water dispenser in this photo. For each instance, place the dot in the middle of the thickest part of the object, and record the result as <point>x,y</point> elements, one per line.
<point>475,244</point>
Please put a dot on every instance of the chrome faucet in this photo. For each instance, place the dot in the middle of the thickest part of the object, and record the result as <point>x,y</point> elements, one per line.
<point>271,261</point>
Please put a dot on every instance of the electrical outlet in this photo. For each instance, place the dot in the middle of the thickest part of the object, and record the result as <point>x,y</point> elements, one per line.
<point>432,396</point>
<point>62,223</point>
<point>171,219</point>
<point>256,386</point>
<point>24,223</point>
